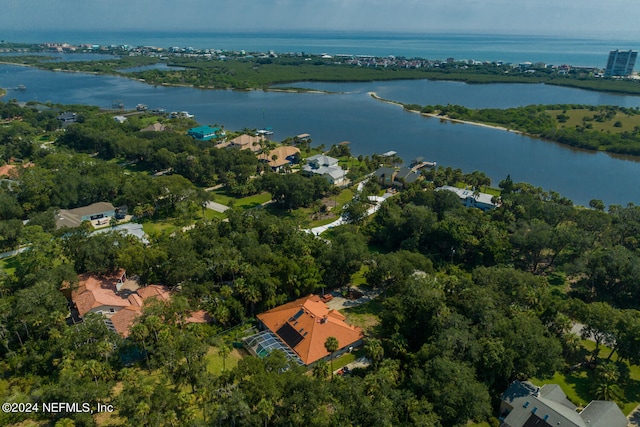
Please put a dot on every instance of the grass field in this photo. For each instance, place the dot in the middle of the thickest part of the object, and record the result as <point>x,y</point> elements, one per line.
<point>9,265</point>
<point>366,316</point>
<point>598,121</point>
<point>215,361</point>
<point>577,384</point>
<point>244,203</point>
<point>158,227</point>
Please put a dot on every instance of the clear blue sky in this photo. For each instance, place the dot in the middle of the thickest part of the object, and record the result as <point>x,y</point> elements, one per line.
<point>585,17</point>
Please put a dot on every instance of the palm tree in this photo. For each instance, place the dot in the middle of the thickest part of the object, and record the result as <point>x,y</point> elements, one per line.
<point>332,345</point>
<point>224,353</point>
<point>321,369</point>
<point>606,379</point>
<point>374,351</point>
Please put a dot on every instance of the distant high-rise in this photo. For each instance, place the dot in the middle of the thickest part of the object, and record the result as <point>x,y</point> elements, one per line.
<point>620,63</point>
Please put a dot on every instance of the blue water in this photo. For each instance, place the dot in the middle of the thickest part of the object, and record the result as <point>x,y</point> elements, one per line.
<point>481,47</point>
<point>371,126</point>
<point>434,92</point>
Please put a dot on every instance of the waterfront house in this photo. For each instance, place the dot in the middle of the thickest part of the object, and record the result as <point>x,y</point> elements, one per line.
<point>67,118</point>
<point>472,199</point>
<point>385,176</point>
<point>244,142</point>
<point>405,177</point>
<point>280,157</point>
<point>326,166</point>
<point>204,133</point>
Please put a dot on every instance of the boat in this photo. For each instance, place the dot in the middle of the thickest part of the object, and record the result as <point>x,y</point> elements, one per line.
<point>265,132</point>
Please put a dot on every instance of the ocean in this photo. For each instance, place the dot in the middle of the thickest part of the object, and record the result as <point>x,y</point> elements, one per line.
<point>576,51</point>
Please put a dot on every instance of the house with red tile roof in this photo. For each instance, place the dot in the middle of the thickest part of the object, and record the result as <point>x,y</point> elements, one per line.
<point>120,300</point>
<point>11,171</point>
<point>300,329</point>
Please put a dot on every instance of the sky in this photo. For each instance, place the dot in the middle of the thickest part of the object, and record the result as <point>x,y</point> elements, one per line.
<point>532,17</point>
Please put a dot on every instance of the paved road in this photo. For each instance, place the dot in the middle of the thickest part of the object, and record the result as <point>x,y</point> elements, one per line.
<point>339,302</point>
<point>14,252</point>
<point>376,200</point>
<point>577,329</point>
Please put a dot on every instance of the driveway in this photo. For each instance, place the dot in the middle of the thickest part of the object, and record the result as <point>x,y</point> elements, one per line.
<point>216,206</point>
<point>339,302</point>
<point>634,417</point>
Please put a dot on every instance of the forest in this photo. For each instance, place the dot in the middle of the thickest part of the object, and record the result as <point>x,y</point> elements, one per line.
<point>605,128</point>
<point>469,300</point>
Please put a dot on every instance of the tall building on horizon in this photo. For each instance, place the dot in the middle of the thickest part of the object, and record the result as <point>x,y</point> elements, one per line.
<point>620,63</point>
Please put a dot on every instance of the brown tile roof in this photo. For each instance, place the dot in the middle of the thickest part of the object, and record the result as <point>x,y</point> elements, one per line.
<point>247,142</point>
<point>95,292</point>
<point>155,291</point>
<point>306,323</point>
<point>123,319</point>
<point>199,316</point>
<point>156,127</point>
<point>281,154</point>
<point>8,170</point>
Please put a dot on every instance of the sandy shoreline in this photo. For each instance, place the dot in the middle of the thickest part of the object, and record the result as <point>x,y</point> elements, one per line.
<point>466,122</point>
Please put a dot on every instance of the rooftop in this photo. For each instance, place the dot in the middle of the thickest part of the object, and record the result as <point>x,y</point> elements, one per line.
<point>282,154</point>
<point>548,406</point>
<point>305,324</point>
<point>73,217</point>
<point>121,300</point>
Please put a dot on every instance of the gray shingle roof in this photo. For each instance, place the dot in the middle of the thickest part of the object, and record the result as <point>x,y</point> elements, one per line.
<point>549,406</point>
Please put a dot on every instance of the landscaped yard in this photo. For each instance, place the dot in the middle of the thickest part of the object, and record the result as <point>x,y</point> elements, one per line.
<point>366,316</point>
<point>215,361</point>
<point>577,384</point>
<point>245,202</point>
<point>158,227</point>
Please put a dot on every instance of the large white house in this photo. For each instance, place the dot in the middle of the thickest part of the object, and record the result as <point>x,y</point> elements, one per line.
<point>325,166</point>
<point>471,199</point>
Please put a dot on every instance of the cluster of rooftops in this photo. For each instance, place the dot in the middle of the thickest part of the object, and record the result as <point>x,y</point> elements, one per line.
<point>299,328</point>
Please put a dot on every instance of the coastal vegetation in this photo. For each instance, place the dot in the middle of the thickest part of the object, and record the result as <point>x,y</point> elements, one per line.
<point>245,71</point>
<point>469,300</point>
<point>604,128</point>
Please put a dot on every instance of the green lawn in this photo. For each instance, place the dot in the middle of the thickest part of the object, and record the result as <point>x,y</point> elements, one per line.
<point>10,264</point>
<point>366,316</point>
<point>577,384</point>
<point>319,222</point>
<point>215,361</point>
<point>158,227</point>
<point>347,358</point>
<point>245,202</point>
<point>358,278</point>
<point>211,214</point>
